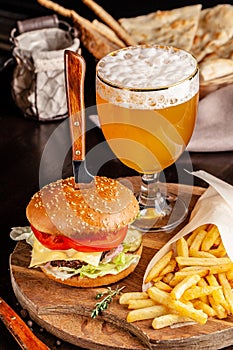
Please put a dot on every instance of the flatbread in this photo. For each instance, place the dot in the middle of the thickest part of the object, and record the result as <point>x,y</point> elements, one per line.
<point>215,68</point>
<point>224,51</point>
<point>215,28</point>
<point>176,27</point>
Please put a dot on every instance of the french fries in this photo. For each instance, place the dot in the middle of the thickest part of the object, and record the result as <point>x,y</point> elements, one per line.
<point>148,312</point>
<point>181,287</point>
<point>180,275</point>
<point>139,304</point>
<point>168,320</point>
<point>182,247</point>
<point>226,290</point>
<point>197,292</point>
<point>197,242</point>
<point>157,268</point>
<point>211,236</point>
<point>201,305</point>
<point>189,284</point>
<point>126,297</point>
<point>190,261</point>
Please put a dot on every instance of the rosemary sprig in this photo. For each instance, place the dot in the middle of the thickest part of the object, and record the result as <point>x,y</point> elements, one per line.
<point>103,304</point>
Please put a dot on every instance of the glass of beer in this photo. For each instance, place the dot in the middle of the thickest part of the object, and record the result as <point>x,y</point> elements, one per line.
<point>147,98</point>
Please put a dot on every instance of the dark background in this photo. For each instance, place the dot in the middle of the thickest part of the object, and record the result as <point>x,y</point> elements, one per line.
<point>12,10</point>
<point>22,141</point>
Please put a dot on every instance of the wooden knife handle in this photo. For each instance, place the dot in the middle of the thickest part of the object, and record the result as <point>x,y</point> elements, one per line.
<point>75,68</point>
<point>20,331</point>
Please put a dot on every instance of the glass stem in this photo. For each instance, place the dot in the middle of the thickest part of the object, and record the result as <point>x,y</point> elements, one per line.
<point>151,196</point>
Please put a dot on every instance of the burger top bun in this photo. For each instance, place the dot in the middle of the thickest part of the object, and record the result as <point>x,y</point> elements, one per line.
<point>61,209</point>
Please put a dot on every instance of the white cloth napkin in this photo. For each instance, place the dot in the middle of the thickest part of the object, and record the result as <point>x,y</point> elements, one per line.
<point>214,126</point>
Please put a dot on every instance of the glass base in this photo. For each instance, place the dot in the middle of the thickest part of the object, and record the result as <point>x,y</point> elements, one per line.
<point>153,219</point>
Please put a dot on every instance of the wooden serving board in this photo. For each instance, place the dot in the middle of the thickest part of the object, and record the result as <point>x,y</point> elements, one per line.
<point>65,311</point>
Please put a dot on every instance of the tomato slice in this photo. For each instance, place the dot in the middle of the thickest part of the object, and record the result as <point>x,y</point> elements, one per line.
<point>63,242</point>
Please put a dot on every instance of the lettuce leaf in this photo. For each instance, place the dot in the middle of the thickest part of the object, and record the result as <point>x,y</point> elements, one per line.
<point>118,264</point>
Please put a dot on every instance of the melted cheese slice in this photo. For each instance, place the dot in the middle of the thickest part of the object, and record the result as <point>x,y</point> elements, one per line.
<point>41,255</point>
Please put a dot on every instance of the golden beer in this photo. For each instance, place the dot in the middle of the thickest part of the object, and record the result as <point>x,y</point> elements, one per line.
<point>147,126</point>
<point>147,140</point>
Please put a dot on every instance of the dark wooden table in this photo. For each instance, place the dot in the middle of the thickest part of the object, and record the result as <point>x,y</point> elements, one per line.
<point>27,162</point>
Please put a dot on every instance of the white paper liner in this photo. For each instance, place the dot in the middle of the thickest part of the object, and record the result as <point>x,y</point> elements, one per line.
<point>215,206</point>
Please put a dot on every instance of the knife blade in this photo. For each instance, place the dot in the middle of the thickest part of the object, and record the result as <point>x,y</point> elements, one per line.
<point>75,67</point>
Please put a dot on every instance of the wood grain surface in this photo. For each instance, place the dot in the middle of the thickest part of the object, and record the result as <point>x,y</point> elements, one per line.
<point>65,311</point>
<point>18,328</point>
<point>75,68</point>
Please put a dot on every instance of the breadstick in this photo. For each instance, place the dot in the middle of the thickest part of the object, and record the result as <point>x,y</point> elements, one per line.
<point>110,21</point>
<point>94,40</point>
<point>96,43</point>
<point>107,32</point>
<point>64,12</point>
<point>55,7</point>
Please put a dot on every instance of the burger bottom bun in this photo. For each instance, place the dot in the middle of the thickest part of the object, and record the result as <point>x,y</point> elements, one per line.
<point>85,282</point>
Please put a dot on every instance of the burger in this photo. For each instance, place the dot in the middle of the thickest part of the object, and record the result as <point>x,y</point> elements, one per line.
<point>81,236</point>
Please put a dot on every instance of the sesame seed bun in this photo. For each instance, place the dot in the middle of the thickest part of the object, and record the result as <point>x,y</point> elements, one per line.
<point>96,213</point>
<point>103,206</point>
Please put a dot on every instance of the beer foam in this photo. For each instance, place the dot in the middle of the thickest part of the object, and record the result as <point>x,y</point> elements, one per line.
<point>147,77</point>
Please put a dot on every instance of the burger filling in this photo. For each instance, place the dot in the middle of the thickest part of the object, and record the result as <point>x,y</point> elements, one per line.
<point>64,264</point>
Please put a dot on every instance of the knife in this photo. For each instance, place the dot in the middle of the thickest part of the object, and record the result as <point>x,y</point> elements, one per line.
<point>20,331</point>
<point>75,67</point>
